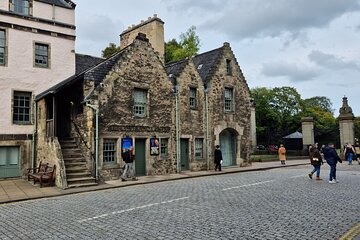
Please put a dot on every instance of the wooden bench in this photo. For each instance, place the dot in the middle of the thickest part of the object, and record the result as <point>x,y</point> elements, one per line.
<point>44,177</point>
<point>41,168</point>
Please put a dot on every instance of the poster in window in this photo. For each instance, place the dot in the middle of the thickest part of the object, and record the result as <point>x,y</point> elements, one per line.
<point>154,146</point>
<point>126,143</point>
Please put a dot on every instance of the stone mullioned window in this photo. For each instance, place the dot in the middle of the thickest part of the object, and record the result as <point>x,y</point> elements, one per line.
<point>2,47</point>
<point>192,97</point>
<point>229,96</point>
<point>22,107</point>
<point>109,151</point>
<point>23,7</point>
<point>140,103</point>
<point>199,148</point>
<point>42,55</point>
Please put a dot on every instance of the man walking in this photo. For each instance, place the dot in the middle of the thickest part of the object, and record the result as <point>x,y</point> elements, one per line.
<point>217,158</point>
<point>128,158</point>
<point>332,158</point>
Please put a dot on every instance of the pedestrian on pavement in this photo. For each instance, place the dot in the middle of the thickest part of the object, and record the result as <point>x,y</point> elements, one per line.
<point>316,161</point>
<point>332,158</point>
<point>357,152</point>
<point>349,153</point>
<point>218,158</point>
<point>128,158</point>
<point>282,154</point>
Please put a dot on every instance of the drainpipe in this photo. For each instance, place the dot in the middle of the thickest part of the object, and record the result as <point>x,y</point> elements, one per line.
<point>33,165</point>
<point>177,129</point>
<point>207,126</point>
<point>96,109</point>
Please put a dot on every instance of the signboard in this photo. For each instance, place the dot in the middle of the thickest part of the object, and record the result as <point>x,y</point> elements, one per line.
<point>126,143</point>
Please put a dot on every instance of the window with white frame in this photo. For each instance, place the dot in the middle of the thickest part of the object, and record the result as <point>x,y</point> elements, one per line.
<point>199,148</point>
<point>22,107</point>
<point>229,94</point>
<point>23,7</point>
<point>2,46</point>
<point>192,97</point>
<point>109,151</point>
<point>140,102</point>
<point>41,55</point>
<point>164,147</point>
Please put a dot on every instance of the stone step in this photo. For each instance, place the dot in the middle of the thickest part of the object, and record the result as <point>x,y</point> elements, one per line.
<point>81,180</point>
<point>69,146</point>
<point>72,155</point>
<point>76,169</point>
<point>74,159</point>
<point>75,164</point>
<point>78,175</point>
<point>74,185</point>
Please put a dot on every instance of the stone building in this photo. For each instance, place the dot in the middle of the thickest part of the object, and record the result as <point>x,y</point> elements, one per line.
<point>37,51</point>
<point>172,115</point>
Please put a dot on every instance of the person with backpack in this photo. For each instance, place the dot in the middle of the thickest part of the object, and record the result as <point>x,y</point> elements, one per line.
<point>357,152</point>
<point>332,158</point>
<point>316,161</point>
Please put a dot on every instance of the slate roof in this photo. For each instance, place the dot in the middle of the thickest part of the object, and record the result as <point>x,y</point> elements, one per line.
<point>205,62</point>
<point>99,72</point>
<point>175,68</point>
<point>60,3</point>
<point>83,63</point>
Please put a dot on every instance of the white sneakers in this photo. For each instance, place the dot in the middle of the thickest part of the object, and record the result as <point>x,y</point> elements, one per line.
<point>334,181</point>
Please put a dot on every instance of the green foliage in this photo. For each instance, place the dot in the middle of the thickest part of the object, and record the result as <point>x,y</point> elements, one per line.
<point>188,45</point>
<point>110,50</point>
<point>279,111</point>
<point>323,102</point>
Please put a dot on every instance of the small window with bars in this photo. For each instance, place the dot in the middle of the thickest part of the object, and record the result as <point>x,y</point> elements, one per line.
<point>229,92</point>
<point>2,46</point>
<point>199,148</point>
<point>192,97</point>
<point>41,55</point>
<point>164,147</point>
<point>22,107</point>
<point>140,103</point>
<point>109,151</point>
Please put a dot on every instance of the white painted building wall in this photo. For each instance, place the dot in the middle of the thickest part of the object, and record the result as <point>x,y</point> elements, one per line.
<point>19,74</point>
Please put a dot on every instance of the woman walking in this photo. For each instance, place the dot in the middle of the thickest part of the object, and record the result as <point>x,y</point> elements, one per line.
<point>282,156</point>
<point>349,153</point>
<point>316,161</point>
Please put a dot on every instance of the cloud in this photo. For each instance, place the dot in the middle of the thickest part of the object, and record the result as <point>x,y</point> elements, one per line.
<point>193,6</point>
<point>331,61</point>
<point>257,18</point>
<point>292,72</point>
<point>98,28</point>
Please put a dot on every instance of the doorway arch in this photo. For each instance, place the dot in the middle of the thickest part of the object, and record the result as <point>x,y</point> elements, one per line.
<point>228,146</point>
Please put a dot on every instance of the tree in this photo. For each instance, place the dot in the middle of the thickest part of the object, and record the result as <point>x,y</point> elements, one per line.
<point>188,45</point>
<point>110,50</point>
<point>322,102</point>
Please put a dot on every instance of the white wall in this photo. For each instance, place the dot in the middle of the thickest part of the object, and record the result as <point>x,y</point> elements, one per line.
<point>4,5</point>
<point>45,11</point>
<point>20,73</point>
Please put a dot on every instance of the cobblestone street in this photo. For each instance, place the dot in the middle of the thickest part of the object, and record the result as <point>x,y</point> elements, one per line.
<point>275,204</point>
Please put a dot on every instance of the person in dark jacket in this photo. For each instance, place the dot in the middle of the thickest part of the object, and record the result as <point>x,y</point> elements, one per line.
<point>332,158</point>
<point>349,152</point>
<point>316,161</point>
<point>217,158</point>
<point>128,158</point>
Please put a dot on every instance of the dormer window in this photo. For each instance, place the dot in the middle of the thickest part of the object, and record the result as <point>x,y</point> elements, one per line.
<point>228,67</point>
<point>23,7</point>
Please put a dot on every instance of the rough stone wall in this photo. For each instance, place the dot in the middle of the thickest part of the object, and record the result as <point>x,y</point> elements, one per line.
<point>49,149</point>
<point>139,68</point>
<point>239,119</point>
<point>192,121</point>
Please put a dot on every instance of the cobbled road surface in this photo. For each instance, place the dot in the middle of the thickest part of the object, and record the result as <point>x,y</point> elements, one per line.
<point>275,204</point>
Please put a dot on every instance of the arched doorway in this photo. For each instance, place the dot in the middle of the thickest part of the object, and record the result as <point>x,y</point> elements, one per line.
<point>228,138</point>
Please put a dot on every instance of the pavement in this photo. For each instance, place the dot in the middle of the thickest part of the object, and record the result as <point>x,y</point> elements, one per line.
<point>14,190</point>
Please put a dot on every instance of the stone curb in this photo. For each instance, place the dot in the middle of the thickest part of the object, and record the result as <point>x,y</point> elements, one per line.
<point>84,190</point>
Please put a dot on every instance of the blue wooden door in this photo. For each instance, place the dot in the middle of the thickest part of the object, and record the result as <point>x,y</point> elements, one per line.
<point>9,162</point>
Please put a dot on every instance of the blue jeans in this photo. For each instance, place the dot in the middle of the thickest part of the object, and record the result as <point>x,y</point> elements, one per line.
<point>317,170</point>
<point>332,172</point>
<point>349,157</point>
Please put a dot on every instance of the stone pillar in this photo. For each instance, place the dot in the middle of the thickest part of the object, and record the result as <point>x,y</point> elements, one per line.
<point>307,125</point>
<point>253,127</point>
<point>346,124</point>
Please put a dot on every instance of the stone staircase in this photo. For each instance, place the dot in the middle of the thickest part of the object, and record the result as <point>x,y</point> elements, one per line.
<point>77,172</point>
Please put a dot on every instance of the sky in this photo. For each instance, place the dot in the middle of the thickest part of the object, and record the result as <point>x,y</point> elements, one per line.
<point>313,46</point>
